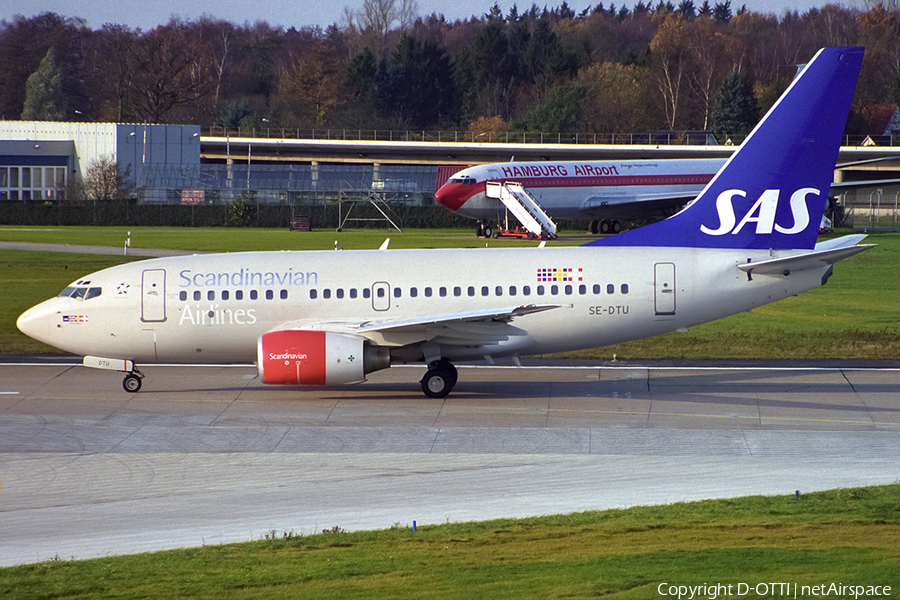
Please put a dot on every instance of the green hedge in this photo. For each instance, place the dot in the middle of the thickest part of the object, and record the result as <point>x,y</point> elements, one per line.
<point>322,215</point>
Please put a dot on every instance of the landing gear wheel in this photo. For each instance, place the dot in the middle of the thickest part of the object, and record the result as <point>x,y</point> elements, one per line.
<point>595,227</point>
<point>131,383</point>
<point>604,226</point>
<point>436,384</point>
<point>440,379</point>
<point>615,227</point>
<point>447,366</point>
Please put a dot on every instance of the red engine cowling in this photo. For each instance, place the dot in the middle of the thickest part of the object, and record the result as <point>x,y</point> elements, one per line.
<point>295,357</point>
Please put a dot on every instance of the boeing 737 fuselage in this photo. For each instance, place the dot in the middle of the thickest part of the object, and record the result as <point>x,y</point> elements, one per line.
<point>329,318</point>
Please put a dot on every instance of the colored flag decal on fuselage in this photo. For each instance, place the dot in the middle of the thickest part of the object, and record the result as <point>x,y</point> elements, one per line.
<point>559,274</point>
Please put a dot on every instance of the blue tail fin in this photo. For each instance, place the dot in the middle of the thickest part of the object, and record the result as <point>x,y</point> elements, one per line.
<point>773,190</point>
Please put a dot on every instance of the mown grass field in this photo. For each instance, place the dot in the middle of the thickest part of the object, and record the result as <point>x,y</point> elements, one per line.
<point>855,316</point>
<point>842,536</point>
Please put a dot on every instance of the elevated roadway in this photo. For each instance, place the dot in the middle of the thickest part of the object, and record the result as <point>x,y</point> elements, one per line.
<point>281,150</point>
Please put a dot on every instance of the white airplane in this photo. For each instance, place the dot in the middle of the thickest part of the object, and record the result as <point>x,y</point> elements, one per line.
<point>604,191</point>
<point>330,318</point>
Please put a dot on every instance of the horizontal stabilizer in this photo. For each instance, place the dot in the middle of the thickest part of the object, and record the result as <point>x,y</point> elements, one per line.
<point>813,260</point>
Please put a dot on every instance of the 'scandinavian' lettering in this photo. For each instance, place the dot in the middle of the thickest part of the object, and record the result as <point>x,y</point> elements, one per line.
<point>246,277</point>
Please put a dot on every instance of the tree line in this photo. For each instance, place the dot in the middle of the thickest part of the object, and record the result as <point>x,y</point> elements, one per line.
<point>606,69</point>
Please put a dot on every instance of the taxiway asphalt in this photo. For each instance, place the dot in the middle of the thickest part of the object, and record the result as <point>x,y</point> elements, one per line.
<point>208,455</point>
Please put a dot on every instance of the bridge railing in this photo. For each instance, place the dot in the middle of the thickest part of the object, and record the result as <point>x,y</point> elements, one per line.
<point>647,138</point>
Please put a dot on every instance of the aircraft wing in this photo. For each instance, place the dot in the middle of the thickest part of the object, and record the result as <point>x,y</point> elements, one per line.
<point>847,186</point>
<point>604,201</point>
<point>635,205</point>
<point>483,326</point>
<point>825,253</point>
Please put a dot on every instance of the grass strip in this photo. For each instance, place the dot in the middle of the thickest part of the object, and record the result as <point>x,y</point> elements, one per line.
<point>846,536</point>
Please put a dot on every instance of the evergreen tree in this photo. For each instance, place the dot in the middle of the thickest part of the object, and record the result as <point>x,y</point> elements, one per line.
<point>735,111</point>
<point>44,100</point>
<point>722,12</point>
<point>419,90</point>
<point>687,9</point>
<point>558,113</point>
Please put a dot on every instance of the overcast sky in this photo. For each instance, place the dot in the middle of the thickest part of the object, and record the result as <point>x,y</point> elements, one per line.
<point>147,14</point>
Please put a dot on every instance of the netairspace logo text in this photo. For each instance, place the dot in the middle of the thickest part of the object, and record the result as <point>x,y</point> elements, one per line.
<point>773,590</point>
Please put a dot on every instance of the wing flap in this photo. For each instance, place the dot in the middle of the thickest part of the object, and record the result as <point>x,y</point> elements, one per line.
<point>453,320</point>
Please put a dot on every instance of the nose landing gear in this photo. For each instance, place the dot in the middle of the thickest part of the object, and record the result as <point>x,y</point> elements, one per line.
<point>132,381</point>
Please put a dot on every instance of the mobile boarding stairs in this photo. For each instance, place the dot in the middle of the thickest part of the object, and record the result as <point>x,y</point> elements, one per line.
<point>525,208</point>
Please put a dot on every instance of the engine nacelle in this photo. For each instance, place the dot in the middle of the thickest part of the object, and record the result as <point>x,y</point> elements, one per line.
<point>293,357</point>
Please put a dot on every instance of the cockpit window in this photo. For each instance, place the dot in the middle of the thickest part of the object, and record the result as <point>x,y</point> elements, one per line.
<point>80,292</point>
<point>462,180</point>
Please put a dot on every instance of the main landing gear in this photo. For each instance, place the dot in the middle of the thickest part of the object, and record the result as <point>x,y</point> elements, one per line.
<point>605,226</point>
<point>484,229</point>
<point>132,381</point>
<point>439,379</point>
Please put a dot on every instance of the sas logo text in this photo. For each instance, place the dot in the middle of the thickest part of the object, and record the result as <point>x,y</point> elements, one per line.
<point>762,213</point>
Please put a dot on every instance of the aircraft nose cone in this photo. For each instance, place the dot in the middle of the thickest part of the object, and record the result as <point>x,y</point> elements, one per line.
<point>451,196</point>
<point>35,322</point>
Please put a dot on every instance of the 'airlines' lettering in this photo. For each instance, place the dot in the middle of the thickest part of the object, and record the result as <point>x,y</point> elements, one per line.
<point>216,316</point>
<point>762,213</point>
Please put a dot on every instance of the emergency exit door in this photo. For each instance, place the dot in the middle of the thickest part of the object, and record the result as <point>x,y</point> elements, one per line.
<point>153,296</point>
<point>664,284</point>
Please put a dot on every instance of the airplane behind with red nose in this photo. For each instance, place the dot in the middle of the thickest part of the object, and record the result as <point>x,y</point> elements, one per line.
<point>604,191</point>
